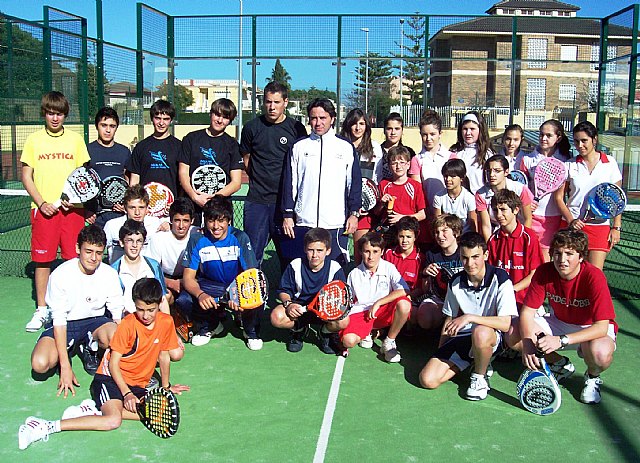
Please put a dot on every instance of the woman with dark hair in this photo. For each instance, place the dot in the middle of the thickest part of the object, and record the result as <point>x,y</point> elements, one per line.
<point>357,129</point>
<point>393,128</point>
<point>588,169</point>
<point>552,141</point>
<point>473,147</point>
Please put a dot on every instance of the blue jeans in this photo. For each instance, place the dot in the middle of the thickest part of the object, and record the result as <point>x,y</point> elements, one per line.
<point>261,224</point>
<point>207,320</point>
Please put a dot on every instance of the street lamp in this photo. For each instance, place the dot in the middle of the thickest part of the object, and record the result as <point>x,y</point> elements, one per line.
<point>401,59</point>
<point>366,78</point>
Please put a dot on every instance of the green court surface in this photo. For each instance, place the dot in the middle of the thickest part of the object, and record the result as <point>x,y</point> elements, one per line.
<point>268,406</point>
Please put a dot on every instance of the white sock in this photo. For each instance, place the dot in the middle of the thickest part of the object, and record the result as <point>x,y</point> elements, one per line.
<point>43,307</point>
<point>54,426</point>
<point>389,340</point>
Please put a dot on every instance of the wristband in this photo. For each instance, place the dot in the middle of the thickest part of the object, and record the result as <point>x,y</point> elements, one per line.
<point>616,228</point>
<point>168,387</point>
<point>42,204</point>
<point>126,394</point>
<point>201,293</point>
<point>286,304</point>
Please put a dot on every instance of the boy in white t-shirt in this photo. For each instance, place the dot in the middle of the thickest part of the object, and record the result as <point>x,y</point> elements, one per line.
<point>381,298</point>
<point>169,248</point>
<point>136,203</point>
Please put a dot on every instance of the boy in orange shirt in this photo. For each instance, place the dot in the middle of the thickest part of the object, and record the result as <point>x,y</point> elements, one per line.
<point>141,340</point>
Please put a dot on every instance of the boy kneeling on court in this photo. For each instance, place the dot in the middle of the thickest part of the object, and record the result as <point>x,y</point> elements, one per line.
<point>583,316</point>
<point>212,261</point>
<point>381,297</point>
<point>141,340</point>
<point>301,281</point>
<point>478,306</point>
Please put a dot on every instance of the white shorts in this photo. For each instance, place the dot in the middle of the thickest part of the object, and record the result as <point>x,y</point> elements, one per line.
<point>551,325</point>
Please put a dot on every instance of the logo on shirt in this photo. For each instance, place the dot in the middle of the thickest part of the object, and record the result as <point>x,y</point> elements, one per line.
<point>283,140</point>
<point>210,156</point>
<point>156,341</point>
<point>55,156</point>
<point>572,303</point>
<point>90,299</point>
<point>161,159</point>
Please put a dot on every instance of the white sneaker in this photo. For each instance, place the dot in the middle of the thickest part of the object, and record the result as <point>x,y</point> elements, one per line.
<point>591,392</point>
<point>41,316</point>
<point>390,351</point>
<point>562,369</point>
<point>489,370</point>
<point>86,408</point>
<point>153,383</point>
<point>367,343</point>
<point>203,338</point>
<point>33,430</point>
<point>254,343</point>
<point>478,388</point>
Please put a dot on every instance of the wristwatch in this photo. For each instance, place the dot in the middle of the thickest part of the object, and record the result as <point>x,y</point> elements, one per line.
<point>564,341</point>
<point>286,304</point>
<point>356,214</point>
<point>616,228</point>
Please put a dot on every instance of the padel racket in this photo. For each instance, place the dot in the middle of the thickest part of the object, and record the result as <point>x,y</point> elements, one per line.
<point>518,176</point>
<point>249,290</point>
<point>370,194</point>
<point>384,226</point>
<point>184,327</point>
<point>82,185</point>
<point>550,174</point>
<point>605,201</point>
<point>160,199</point>
<point>538,390</point>
<point>159,412</point>
<point>208,179</point>
<point>112,192</point>
<point>333,301</point>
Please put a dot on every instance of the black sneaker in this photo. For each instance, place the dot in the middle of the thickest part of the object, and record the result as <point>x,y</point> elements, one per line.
<point>295,343</point>
<point>329,343</point>
<point>90,359</point>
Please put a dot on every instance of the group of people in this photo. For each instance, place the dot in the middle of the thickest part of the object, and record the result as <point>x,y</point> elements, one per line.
<point>454,247</point>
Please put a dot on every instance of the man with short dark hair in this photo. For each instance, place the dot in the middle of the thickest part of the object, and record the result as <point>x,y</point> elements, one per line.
<point>155,159</point>
<point>264,145</point>
<point>108,158</point>
<point>322,184</point>
<point>211,146</point>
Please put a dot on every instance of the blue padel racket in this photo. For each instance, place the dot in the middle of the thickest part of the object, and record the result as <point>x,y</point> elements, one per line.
<point>538,390</point>
<point>518,176</point>
<point>605,201</point>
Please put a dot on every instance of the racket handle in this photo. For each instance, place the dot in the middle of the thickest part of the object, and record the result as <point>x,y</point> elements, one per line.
<point>303,308</point>
<point>539,353</point>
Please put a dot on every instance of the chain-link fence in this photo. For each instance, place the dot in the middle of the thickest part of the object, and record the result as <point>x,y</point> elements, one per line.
<point>514,69</point>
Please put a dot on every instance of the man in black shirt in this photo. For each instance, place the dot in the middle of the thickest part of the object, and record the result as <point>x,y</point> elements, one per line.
<point>211,146</point>
<point>155,159</point>
<point>108,158</point>
<point>264,144</point>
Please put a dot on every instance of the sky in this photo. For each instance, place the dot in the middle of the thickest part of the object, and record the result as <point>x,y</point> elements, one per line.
<point>119,22</point>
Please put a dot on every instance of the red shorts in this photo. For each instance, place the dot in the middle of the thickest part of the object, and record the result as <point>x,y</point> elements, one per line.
<point>361,325</point>
<point>546,227</point>
<point>598,236</point>
<point>364,222</point>
<point>49,233</point>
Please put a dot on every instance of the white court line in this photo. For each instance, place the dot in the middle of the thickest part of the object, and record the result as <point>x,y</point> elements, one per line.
<point>327,420</point>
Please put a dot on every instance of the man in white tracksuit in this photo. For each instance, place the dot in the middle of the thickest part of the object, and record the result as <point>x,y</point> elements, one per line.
<point>321,184</point>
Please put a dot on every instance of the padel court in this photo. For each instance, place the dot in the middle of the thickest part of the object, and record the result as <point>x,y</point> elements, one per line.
<point>269,406</point>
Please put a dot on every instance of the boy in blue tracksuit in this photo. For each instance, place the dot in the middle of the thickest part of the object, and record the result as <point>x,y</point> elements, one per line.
<point>211,262</point>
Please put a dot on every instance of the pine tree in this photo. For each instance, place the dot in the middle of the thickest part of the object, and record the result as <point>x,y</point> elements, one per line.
<point>413,63</point>
<point>279,74</point>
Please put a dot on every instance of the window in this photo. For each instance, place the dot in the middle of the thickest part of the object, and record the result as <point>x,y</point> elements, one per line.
<point>609,93</point>
<point>536,93</point>
<point>569,52</point>
<point>567,92</point>
<point>537,49</point>
<point>546,13</point>
<point>612,52</point>
<point>593,95</point>
<point>533,122</point>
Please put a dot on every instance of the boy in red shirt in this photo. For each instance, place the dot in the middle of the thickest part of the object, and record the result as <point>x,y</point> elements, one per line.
<point>583,316</point>
<point>402,195</point>
<point>513,246</point>
<point>141,340</point>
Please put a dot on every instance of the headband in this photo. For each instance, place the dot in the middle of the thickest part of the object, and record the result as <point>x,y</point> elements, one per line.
<point>470,117</point>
